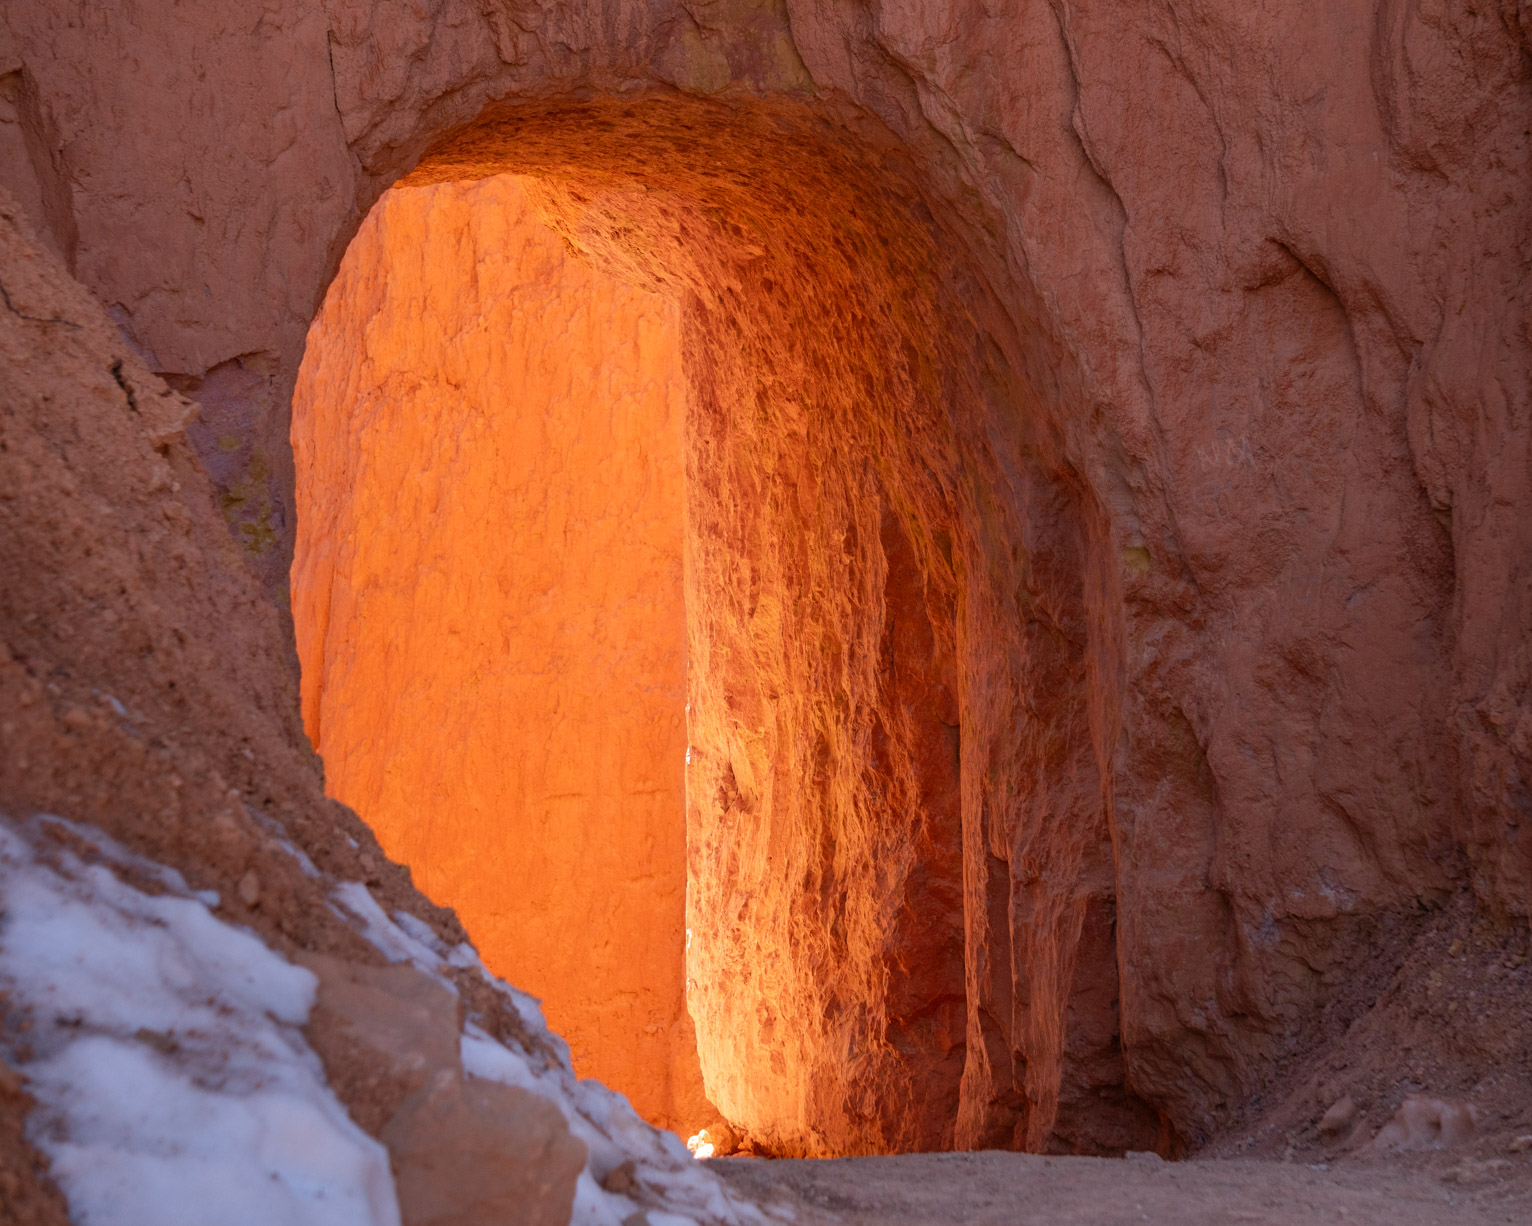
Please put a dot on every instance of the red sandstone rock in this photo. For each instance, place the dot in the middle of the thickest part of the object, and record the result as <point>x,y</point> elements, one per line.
<point>1188,348</point>
<point>493,645</point>
<point>142,692</point>
<point>1340,1117</point>
<point>469,1152</point>
<point>827,531</point>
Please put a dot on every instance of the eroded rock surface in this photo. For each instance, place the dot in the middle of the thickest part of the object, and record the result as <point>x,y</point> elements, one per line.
<point>145,695</point>
<point>488,602</point>
<point>1200,332</point>
<point>454,1143</point>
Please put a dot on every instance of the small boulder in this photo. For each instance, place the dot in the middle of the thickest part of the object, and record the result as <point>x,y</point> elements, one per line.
<point>1427,1123</point>
<point>466,1152</point>
<point>382,1032</point>
<point>249,889</point>
<point>622,1178</point>
<point>1339,1119</point>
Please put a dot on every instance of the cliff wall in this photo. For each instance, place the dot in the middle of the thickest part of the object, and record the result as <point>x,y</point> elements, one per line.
<point>1128,401</point>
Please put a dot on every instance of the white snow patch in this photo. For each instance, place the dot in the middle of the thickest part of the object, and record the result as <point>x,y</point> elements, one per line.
<point>461,957</point>
<point>422,932</point>
<point>387,937</point>
<point>466,958</point>
<point>278,832</point>
<point>173,1085</point>
<point>115,853</point>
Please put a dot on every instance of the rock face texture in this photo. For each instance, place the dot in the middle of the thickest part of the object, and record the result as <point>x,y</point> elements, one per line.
<point>141,672</point>
<point>1107,464</point>
<point>144,696</point>
<point>488,602</point>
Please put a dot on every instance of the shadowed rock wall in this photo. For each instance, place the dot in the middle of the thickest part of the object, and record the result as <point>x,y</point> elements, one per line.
<point>1222,380</point>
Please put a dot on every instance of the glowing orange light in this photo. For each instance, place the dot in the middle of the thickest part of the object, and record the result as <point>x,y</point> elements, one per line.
<point>488,601</point>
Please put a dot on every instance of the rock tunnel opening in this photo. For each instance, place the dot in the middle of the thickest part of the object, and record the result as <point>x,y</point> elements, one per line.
<point>488,596</point>
<point>690,588</point>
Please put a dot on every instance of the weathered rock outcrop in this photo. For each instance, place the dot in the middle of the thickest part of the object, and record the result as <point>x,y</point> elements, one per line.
<point>1132,398</point>
<point>141,677</point>
<point>144,694</point>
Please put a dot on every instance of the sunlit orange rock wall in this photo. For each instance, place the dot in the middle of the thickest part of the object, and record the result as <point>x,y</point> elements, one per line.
<point>882,650</point>
<point>488,598</point>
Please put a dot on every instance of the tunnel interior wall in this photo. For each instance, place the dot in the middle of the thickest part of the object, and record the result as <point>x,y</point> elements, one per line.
<point>1262,279</point>
<point>888,642</point>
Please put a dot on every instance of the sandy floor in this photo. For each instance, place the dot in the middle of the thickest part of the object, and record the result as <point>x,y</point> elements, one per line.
<point>1018,1190</point>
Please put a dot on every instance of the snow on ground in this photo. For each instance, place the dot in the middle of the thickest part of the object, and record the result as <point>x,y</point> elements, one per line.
<point>172,1081</point>
<point>174,1084</point>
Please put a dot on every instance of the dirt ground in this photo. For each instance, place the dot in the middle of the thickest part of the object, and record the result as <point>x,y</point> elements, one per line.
<point>980,1189</point>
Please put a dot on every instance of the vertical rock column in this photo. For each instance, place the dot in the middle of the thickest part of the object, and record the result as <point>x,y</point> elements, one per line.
<point>489,610</point>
